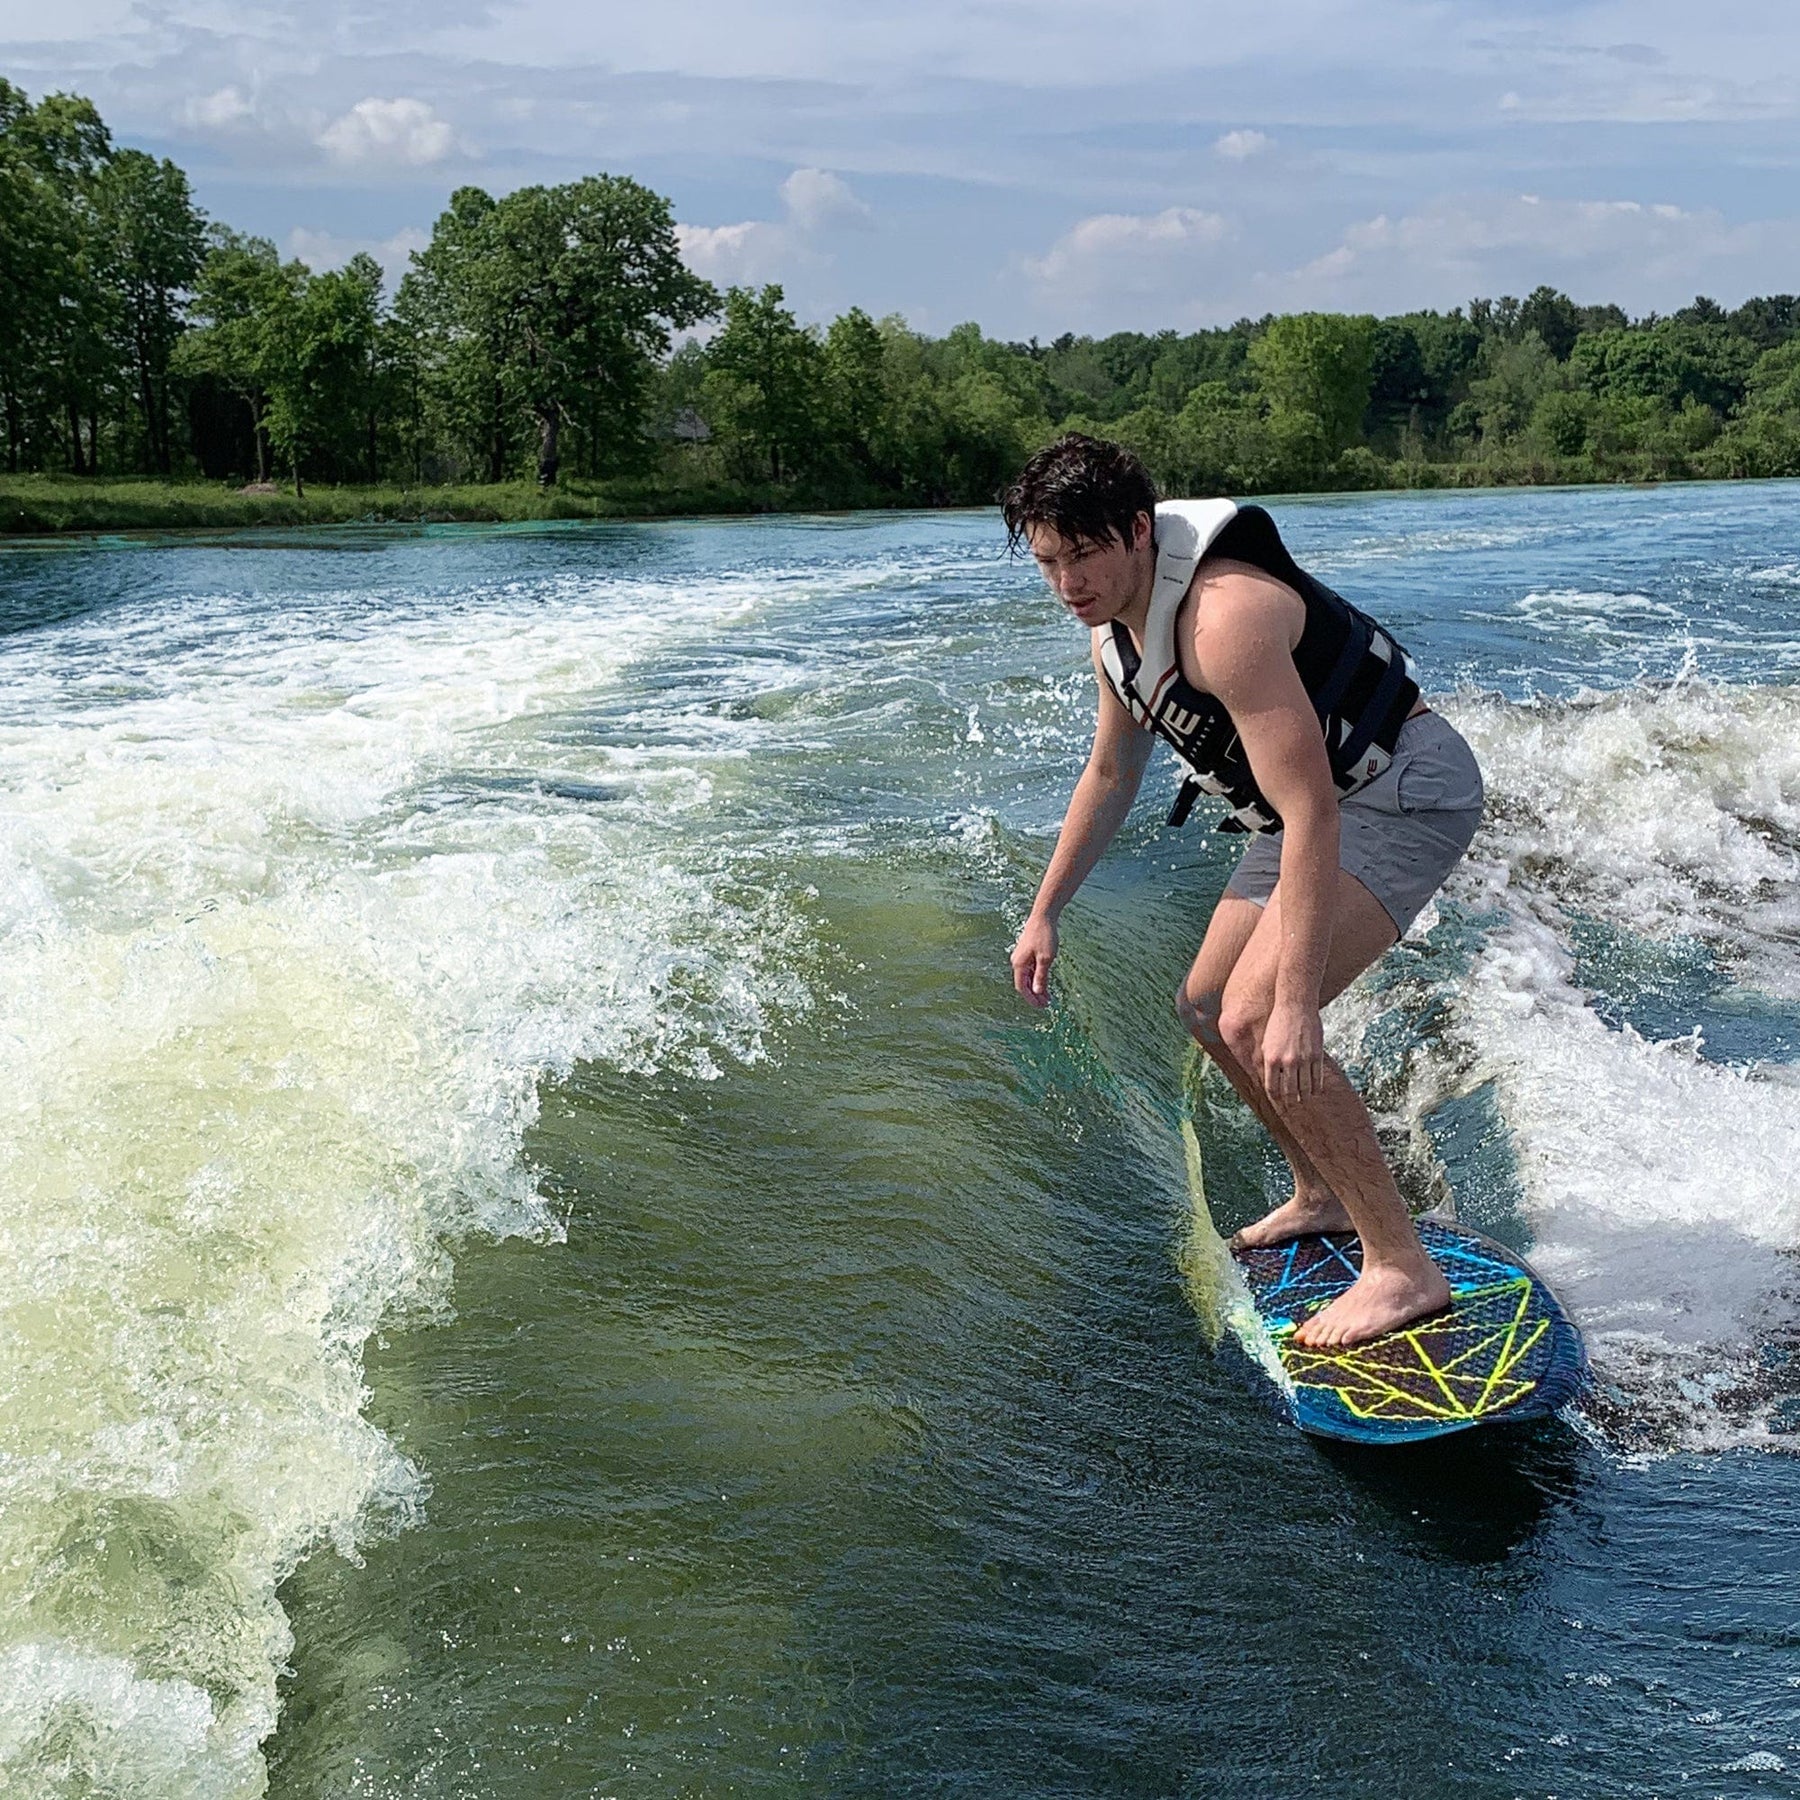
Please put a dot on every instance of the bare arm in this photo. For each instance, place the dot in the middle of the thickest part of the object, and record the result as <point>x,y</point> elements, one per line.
<point>1102,798</point>
<point>1243,644</point>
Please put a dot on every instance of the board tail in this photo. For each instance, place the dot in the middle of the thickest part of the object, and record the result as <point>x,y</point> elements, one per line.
<point>1215,1284</point>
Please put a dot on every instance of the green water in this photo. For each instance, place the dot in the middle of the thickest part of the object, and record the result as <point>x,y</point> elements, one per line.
<point>578,960</point>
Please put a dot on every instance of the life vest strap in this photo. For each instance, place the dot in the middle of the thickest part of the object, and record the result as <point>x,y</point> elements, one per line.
<point>1185,796</point>
<point>1375,715</point>
<point>1349,659</point>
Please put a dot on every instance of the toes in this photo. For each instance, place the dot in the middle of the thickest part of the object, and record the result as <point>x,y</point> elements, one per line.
<point>1313,1334</point>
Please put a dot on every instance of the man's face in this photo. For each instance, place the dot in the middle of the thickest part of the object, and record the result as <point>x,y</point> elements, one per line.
<point>1095,581</point>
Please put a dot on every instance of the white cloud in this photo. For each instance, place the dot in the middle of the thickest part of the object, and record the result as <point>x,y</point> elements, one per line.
<point>376,131</point>
<point>219,110</point>
<point>753,251</point>
<point>1116,271</point>
<point>325,250</point>
<point>1240,146</point>
<point>1097,243</point>
<point>816,200</point>
<point>1648,254</point>
<point>814,204</point>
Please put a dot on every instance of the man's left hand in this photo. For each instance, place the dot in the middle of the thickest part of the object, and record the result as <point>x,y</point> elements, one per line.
<point>1293,1053</point>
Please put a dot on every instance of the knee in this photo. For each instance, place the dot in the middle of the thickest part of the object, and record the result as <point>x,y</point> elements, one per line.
<point>1199,1015</point>
<point>1240,1029</point>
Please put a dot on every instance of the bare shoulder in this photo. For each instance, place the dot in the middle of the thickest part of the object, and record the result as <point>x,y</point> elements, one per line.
<point>1239,598</point>
<point>1238,618</point>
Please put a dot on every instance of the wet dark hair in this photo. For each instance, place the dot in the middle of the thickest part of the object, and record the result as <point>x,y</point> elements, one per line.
<point>1088,489</point>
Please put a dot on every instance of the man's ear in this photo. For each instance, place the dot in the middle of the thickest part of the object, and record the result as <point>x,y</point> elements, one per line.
<point>1142,528</point>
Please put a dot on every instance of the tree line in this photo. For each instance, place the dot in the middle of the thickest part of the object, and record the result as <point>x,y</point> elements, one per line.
<point>556,333</point>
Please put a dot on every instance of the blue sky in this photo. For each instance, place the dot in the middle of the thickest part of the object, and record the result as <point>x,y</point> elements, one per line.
<point>1036,167</point>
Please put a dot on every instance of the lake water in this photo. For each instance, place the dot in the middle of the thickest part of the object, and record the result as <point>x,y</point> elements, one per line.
<point>539,1254</point>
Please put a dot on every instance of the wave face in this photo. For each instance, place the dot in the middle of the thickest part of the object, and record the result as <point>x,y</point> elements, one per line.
<point>1625,1000</point>
<point>369,899</point>
<point>304,897</point>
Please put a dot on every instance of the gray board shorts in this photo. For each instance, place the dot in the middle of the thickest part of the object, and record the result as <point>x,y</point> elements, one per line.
<point>1403,833</point>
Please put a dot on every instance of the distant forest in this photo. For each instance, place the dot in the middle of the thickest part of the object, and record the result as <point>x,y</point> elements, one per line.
<point>556,333</point>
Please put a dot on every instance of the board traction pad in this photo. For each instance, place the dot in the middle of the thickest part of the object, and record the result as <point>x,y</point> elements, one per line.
<point>1504,1350</point>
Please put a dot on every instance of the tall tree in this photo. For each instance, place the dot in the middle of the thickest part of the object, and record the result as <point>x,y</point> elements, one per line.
<point>73,145</point>
<point>27,268</point>
<point>559,299</point>
<point>246,302</point>
<point>458,335</point>
<point>1318,365</point>
<point>765,385</point>
<point>1554,317</point>
<point>855,370</point>
<point>51,155</point>
<point>151,243</point>
<point>321,365</point>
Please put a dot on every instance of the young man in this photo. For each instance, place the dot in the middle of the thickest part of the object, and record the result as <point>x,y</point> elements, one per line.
<point>1305,716</point>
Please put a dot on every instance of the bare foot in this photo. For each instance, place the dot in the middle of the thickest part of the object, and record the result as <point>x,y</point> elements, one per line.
<point>1298,1217</point>
<point>1381,1299</point>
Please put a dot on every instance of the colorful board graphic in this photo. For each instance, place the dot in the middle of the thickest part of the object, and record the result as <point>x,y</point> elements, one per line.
<point>1504,1350</point>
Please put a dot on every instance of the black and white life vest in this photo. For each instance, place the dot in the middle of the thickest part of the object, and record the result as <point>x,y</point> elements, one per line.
<point>1361,682</point>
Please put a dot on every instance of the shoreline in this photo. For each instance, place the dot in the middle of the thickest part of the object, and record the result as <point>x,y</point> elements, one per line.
<point>52,506</point>
<point>38,506</point>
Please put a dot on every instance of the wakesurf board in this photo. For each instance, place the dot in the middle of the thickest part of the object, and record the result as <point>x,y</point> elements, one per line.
<point>1504,1350</point>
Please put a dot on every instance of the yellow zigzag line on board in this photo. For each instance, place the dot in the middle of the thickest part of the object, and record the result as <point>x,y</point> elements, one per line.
<point>1366,1376</point>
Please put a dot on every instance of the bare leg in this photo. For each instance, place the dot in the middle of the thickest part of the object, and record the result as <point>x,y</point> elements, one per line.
<point>1313,1207</point>
<point>1399,1282</point>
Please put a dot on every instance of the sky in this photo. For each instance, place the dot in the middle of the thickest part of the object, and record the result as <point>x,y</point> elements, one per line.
<point>1038,168</point>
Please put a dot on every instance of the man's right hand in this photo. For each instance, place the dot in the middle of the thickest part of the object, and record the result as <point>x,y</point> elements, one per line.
<point>1031,959</point>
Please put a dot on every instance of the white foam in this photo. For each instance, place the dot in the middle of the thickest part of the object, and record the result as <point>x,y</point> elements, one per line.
<point>73,1722</point>
<point>1658,1186</point>
<point>1785,574</point>
<point>274,1024</point>
<point>1432,540</point>
<point>1667,811</point>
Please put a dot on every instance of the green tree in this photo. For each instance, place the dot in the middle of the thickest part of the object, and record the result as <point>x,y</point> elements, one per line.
<point>458,328</point>
<point>322,369</point>
<point>29,252</point>
<point>1670,361</point>
<point>1518,374</point>
<point>1774,383</point>
<point>988,431</point>
<point>856,388</point>
<point>764,382</point>
<point>151,245</point>
<point>59,369</point>
<point>556,303</point>
<point>1764,439</point>
<point>1554,317</point>
<point>74,145</point>
<point>1766,322</point>
<point>1317,366</point>
<point>1183,363</point>
<point>247,304</point>
<point>1422,366</point>
<point>1559,421</point>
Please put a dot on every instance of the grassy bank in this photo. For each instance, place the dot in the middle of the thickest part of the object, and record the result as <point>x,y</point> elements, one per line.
<point>37,504</point>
